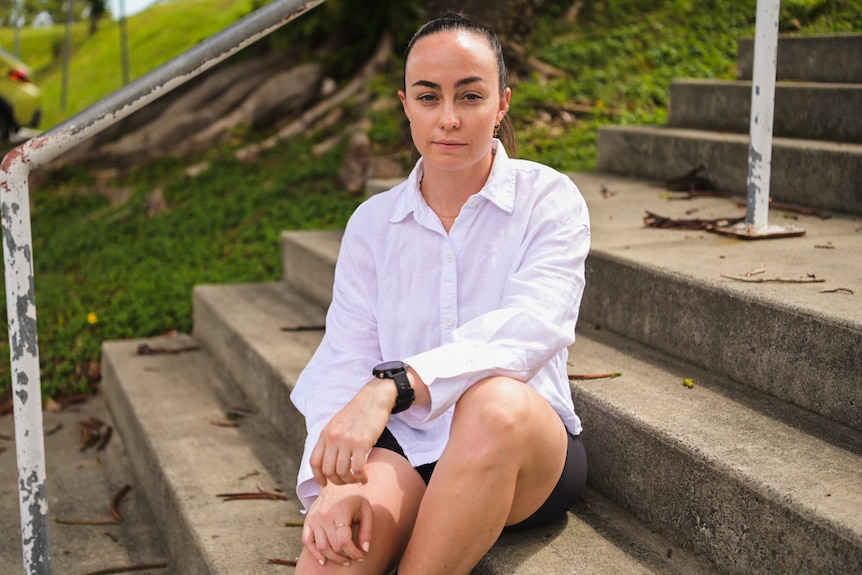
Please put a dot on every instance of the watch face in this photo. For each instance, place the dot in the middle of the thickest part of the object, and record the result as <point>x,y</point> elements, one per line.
<point>389,366</point>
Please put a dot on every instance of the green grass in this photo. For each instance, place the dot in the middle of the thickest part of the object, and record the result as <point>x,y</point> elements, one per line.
<point>622,61</point>
<point>155,36</point>
<point>107,272</point>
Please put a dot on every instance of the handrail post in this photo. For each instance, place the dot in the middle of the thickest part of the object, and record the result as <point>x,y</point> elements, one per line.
<point>26,388</point>
<point>18,245</point>
<point>756,225</point>
<point>762,112</point>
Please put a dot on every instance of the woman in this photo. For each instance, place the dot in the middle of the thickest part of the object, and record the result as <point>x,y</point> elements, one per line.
<point>462,286</point>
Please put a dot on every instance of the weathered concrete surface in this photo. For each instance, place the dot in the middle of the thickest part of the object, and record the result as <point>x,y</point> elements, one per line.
<point>808,111</point>
<point>832,58</point>
<point>814,174</point>
<point>81,486</point>
<point>665,288</point>
<point>165,406</point>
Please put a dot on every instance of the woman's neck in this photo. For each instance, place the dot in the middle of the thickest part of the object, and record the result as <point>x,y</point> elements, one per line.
<point>447,192</point>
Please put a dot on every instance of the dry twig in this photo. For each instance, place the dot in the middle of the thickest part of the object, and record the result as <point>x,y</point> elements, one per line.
<point>224,423</point>
<point>653,220</point>
<point>94,432</point>
<point>147,349</point>
<point>253,495</point>
<point>63,521</point>
<point>277,561</point>
<point>573,377</point>
<point>106,437</point>
<point>839,290</point>
<point>115,502</point>
<point>128,568</point>
<point>806,280</point>
<point>304,328</point>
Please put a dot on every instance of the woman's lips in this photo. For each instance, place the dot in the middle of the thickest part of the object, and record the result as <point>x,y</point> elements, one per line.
<point>449,145</point>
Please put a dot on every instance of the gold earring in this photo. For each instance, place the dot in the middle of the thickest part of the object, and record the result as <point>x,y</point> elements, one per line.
<point>496,129</point>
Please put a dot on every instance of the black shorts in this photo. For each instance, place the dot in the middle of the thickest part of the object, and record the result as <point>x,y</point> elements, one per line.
<point>565,493</point>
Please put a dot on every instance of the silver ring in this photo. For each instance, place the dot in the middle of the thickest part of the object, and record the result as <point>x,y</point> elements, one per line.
<point>337,525</point>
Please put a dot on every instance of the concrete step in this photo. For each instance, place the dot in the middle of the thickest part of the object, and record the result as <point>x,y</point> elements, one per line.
<point>815,174</point>
<point>262,335</point>
<point>166,403</point>
<point>828,58</point>
<point>708,467</point>
<point>243,327</point>
<point>665,288</point>
<point>163,405</point>
<point>805,110</point>
<point>754,484</point>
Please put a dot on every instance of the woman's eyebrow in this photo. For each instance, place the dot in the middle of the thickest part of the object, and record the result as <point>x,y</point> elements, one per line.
<point>458,84</point>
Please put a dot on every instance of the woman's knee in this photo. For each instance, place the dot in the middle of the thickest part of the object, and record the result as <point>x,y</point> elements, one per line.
<point>498,407</point>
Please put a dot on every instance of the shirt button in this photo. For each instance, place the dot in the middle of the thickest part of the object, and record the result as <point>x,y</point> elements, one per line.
<point>448,257</point>
<point>448,321</point>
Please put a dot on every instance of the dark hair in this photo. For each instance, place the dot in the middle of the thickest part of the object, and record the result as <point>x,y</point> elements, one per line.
<point>454,22</point>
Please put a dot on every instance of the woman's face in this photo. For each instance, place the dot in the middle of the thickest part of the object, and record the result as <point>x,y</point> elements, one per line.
<point>452,99</point>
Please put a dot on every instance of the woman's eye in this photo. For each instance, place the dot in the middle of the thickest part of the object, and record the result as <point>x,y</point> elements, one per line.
<point>426,98</point>
<point>472,97</point>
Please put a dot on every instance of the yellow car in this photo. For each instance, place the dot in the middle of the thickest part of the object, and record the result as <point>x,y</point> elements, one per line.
<point>20,100</point>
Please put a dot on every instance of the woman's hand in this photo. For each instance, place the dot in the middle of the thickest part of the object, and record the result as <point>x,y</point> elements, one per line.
<point>328,532</point>
<point>340,454</point>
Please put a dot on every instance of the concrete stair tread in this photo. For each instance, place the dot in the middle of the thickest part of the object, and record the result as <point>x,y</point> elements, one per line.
<point>712,425</point>
<point>813,173</point>
<point>167,403</point>
<point>683,306</point>
<point>713,82</point>
<point>805,110</point>
<point>262,335</point>
<point>747,434</point>
<point>830,249</point>
<point>817,58</point>
<point>707,135</point>
<point>163,406</point>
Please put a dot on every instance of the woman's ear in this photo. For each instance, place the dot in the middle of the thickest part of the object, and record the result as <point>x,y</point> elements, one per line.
<point>403,97</point>
<point>505,98</point>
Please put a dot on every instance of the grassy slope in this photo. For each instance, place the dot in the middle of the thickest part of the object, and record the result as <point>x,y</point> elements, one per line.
<point>156,35</point>
<point>106,272</point>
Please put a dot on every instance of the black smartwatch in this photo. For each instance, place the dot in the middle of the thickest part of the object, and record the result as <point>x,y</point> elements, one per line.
<point>397,372</point>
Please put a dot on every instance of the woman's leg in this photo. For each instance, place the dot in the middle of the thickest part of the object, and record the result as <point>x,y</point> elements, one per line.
<point>506,451</point>
<point>394,490</point>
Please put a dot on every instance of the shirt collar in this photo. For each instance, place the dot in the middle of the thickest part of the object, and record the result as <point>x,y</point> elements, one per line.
<point>499,188</point>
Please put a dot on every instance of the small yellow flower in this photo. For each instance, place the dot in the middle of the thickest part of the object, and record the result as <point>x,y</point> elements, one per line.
<point>92,318</point>
<point>688,382</point>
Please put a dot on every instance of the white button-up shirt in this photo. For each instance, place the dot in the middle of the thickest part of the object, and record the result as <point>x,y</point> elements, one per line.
<point>498,295</point>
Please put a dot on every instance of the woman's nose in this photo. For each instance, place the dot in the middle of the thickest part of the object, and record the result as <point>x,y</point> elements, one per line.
<point>448,117</point>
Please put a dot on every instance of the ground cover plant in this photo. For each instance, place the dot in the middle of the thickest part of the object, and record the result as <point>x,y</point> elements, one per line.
<point>109,269</point>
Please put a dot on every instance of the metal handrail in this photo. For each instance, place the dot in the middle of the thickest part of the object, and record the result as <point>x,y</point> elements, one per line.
<point>18,245</point>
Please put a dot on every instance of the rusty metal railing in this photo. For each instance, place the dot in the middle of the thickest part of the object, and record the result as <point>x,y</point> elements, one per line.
<point>18,245</point>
